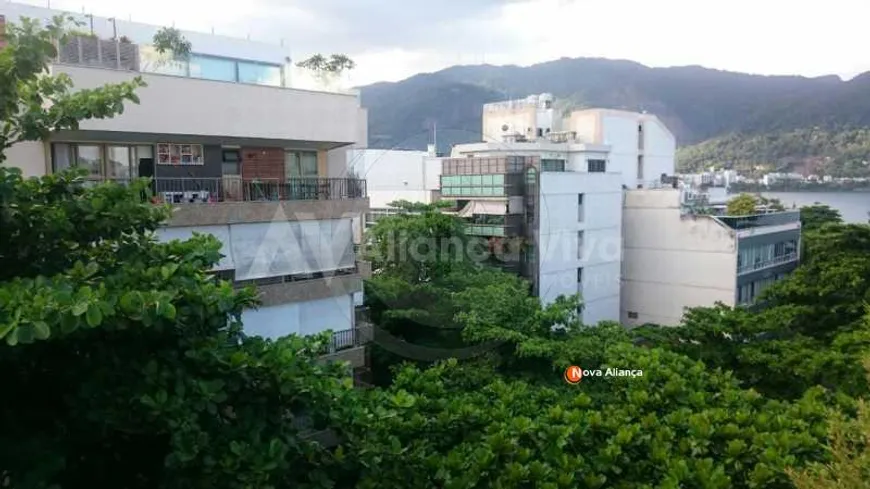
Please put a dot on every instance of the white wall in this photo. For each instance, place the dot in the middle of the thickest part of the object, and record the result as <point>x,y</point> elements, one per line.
<point>300,318</point>
<point>519,120</point>
<point>177,105</point>
<point>396,175</point>
<point>558,241</point>
<point>672,262</point>
<point>29,156</point>
<point>620,132</point>
<point>659,149</point>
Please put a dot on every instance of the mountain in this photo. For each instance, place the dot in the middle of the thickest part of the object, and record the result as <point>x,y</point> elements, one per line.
<point>699,105</point>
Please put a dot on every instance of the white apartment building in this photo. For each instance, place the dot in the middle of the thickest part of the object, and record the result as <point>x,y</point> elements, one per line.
<point>550,181</point>
<point>640,146</point>
<point>679,253</point>
<point>240,151</point>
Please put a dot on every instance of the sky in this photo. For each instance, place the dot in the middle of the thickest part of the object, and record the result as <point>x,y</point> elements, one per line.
<point>393,39</point>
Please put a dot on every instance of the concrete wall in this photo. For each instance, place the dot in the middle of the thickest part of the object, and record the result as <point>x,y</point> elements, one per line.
<point>659,149</point>
<point>522,119</point>
<point>558,253</point>
<point>672,262</point>
<point>301,318</point>
<point>396,175</point>
<point>29,156</point>
<point>177,105</point>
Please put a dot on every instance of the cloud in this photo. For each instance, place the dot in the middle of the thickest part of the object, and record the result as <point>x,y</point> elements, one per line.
<point>394,39</point>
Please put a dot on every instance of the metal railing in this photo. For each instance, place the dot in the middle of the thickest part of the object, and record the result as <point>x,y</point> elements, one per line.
<point>351,338</point>
<point>778,260</point>
<point>228,189</point>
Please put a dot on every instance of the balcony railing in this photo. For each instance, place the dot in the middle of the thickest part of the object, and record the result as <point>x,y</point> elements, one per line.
<point>351,338</point>
<point>778,260</point>
<point>761,220</point>
<point>230,189</point>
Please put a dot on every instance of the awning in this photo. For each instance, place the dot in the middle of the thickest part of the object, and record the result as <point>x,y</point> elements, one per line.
<point>483,207</point>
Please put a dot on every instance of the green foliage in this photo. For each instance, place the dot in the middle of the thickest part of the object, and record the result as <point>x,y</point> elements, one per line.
<point>850,453</point>
<point>33,103</point>
<point>742,205</point>
<point>839,153</point>
<point>335,64</point>
<point>171,40</point>
<point>817,215</point>
<point>814,330</point>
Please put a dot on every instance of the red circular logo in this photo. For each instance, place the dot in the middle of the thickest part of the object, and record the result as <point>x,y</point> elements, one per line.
<point>573,374</point>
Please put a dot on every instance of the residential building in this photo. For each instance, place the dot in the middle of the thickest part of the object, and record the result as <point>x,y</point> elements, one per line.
<point>525,119</point>
<point>679,252</point>
<point>394,175</point>
<point>560,223</point>
<point>545,189</point>
<point>240,152</point>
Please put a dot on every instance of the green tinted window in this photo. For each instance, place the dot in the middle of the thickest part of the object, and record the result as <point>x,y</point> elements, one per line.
<point>486,180</point>
<point>475,180</point>
<point>498,179</point>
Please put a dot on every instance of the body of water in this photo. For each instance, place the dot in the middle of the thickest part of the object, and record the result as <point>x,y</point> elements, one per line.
<point>853,206</point>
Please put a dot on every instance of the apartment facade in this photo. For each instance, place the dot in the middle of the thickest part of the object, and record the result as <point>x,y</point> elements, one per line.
<point>563,220</point>
<point>677,254</point>
<point>239,152</point>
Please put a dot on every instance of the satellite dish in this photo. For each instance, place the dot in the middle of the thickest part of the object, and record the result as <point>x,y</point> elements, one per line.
<point>504,127</point>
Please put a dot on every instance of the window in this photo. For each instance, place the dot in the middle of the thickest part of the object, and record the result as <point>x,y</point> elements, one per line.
<point>579,245</point>
<point>540,132</point>
<point>596,166</point>
<point>212,68</point>
<point>231,163</point>
<point>259,73</point>
<point>300,164</point>
<point>62,157</point>
<point>632,315</point>
<point>118,165</point>
<point>580,209</point>
<point>179,154</point>
<point>552,165</point>
<point>640,167</point>
<point>90,157</point>
<point>579,275</point>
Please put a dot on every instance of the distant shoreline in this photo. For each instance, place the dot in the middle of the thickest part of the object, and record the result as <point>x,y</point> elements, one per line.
<point>824,190</point>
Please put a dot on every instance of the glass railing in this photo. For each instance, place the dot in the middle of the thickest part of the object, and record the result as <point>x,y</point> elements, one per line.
<point>778,260</point>
<point>486,230</point>
<point>760,220</point>
<point>94,52</point>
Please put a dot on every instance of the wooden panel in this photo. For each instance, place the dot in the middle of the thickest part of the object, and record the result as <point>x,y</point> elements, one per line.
<point>263,163</point>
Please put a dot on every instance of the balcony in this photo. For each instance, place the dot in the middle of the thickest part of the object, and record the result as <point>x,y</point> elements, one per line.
<point>761,220</point>
<point>778,260</point>
<point>193,102</point>
<point>349,346</point>
<point>232,189</point>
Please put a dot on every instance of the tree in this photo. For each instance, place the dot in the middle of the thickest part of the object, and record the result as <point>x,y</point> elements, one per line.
<point>815,216</point>
<point>171,40</point>
<point>850,453</point>
<point>814,330</point>
<point>125,359</point>
<point>742,205</point>
<point>326,70</point>
<point>33,103</point>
